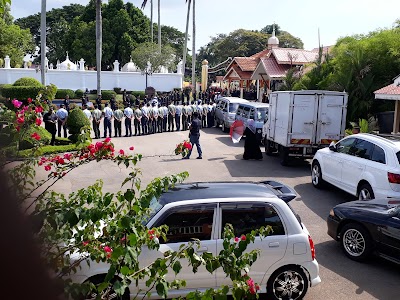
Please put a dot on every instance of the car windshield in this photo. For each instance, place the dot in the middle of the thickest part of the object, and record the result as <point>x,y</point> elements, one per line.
<point>262,114</point>
<point>154,207</point>
<point>233,107</point>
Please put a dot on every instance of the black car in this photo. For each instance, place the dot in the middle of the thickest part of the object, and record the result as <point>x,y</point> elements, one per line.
<point>367,227</point>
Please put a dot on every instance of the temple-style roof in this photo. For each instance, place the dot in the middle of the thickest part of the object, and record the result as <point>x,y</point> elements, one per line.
<point>389,92</point>
<point>294,56</point>
<point>246,63</point>
<point>67,65</point>
<point>130,67</point>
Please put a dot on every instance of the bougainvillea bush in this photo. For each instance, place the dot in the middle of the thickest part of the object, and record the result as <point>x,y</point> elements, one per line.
<point>91,225</point>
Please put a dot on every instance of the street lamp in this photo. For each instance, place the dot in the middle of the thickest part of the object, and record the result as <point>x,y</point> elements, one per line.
<point>147,71</point>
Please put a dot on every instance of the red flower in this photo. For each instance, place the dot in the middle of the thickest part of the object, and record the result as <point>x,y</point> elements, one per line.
<point>85,243</point>
<point>16,103</point>
<point>60,161</point>
<point>68,156</point>
<point>17,128</point>
<point>35,136</point>
<point>123,239</point>
<point>131,148</point>
<point>236,240</point>
<point>107,140</point>
<point>99,145</point>
<point>29,100</point>
<point>107,249</point>
<point>47,167</point>
<point>122,152</point>
<point>38,109</point>
<point>243,237</point>
<point>20,120</point>
<point>38,122</point>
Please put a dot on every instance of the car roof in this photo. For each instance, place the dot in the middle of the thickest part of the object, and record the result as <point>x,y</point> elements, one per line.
<point>212,190</point>
<point>234,99</point>
<point>256,104</point>
<point>387,140</point>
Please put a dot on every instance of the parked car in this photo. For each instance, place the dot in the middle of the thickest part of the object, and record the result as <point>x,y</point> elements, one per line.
<point>367,227</point>
<point>226,110</point>
<point>286,267</point>
<point>256,111</point>
<point>364,165</point>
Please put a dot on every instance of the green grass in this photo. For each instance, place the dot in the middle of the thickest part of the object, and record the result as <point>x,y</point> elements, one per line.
<point>46,150</point>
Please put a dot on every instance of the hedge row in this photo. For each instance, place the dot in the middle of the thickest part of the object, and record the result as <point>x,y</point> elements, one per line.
<point>46,150</point>
<point>20,92</point>
<point>62,93</point>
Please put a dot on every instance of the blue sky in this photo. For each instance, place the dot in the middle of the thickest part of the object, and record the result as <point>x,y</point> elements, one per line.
<point>302,18</point>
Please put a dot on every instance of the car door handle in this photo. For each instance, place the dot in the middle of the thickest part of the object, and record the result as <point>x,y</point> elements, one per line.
<point>273,245</point>
<point>202,249</point>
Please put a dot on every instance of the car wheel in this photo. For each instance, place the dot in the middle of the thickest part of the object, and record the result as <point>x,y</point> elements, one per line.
<point>316,175</point>
<point>284,155</point>
<point>268,149</point>
<point>287,283</point>
<point>356,242</point>
<point>223,127</point>
<point>107,293</point>
<point>365,192</point>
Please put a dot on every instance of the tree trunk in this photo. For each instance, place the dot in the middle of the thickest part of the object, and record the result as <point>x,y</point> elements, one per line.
<point>194,51</point>
<point>99,38</point>
<point>151,21</point>
<point>159,27</point>
<point>186,40</point>
<point>43,33</point>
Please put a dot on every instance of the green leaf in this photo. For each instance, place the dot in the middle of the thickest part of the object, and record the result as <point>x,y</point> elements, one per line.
<point>162,289</point>
<point>129,195</point>
<point>119,287</point>
<point>111,273</point>
<point>132,239</point>
<point>177,267</point>
<point>125,271</point>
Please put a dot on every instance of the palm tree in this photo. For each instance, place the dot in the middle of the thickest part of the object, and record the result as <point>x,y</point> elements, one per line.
<point>144,3</point>
<point>99,38</point>
<point>194,51</point>
<point>43,32</point>
<point>189,2</point>
<point>159,27</point>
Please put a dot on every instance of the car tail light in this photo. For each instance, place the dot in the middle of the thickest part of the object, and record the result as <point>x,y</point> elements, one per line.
<point>393,178</point>
<point>311,247</point>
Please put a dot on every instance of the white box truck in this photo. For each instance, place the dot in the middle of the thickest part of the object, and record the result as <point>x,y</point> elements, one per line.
<point>301,122</point>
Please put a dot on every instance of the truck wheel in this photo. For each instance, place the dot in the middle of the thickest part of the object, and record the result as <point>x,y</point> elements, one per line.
<point>284,156</point>
<point>268,149</point>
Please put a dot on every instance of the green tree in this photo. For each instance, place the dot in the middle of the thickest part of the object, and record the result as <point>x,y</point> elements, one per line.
<point>15,42</point>
<point>148,52</point>
<point>4,4</point>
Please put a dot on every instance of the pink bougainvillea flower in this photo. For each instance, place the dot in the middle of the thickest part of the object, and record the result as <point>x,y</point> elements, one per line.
<point>38,109</point>
<point>67,156</point>
<point>47,167</point>
<point>17,128</point>
<point>107,140</point>
<point>29,100</point>
<point>243,237</point>
<point>20,120</point>
<point>16,103</point>
<point>122,152</point>
<point>99,145</point>
<point>107,249</point>
<point>38,122</point>
<point>35,136</point>
<point>85,243</point>
<point>131,148</point>
<point>237,240</point>
<point>60,161</point>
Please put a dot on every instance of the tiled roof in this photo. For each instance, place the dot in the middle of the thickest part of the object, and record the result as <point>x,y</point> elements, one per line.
<point>391,89</point>
<point>248,64</point>
<point>273,69</point>
<point>241,75</point>
<point>261,54</point>
<point>294,56</point>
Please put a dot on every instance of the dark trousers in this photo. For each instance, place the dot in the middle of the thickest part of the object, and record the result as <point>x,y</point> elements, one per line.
<point>210,120</point>
<point>137,126</point>
<point>53,130</point>
<point>107,125</point>
<point>165,121</point>
<point>96,129</point>
<point>154,125</point>
<point>62,126</point>
<point>189,118</point>
<point>204,121</point>
<point>117,127</point>
<point>178,122</point>
<point>160,123</point>
<point>171,122</point>
<point>195,140</point>
<point>145,128</point>
<point>184,123</point>
<point>128,127</point>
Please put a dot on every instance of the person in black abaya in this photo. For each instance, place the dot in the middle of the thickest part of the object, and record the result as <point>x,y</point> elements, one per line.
<point>251,147</point>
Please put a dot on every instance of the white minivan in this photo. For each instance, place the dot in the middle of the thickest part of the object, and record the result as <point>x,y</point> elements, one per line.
<point>226,111</point>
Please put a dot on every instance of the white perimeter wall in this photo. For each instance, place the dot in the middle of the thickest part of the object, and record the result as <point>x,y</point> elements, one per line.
<point>131,81</point>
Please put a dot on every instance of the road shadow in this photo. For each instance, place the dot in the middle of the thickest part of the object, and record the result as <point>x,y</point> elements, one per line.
<point>227,140</point>
<point>377,277</point>
<point>326,198</point>
<point>269,167</point>
<point>213,131</point>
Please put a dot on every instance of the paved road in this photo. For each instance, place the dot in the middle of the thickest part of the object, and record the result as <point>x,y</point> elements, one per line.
<point>341,277</point>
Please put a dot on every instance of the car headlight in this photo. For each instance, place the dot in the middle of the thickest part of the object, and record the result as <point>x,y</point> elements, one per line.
<point>332,213</point>
<point>258,130</point>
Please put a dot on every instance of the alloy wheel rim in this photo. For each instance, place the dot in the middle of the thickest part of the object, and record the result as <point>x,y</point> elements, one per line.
<point>364,195</point>
<point>288,285</point>
<point>354,242</point>
<point>315,175</point>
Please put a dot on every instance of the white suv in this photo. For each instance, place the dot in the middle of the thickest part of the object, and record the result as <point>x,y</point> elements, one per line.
<point>364,165</point>
<point>286,267</point>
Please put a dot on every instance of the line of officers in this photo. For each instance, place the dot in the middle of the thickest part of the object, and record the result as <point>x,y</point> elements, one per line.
<point>150,118</point>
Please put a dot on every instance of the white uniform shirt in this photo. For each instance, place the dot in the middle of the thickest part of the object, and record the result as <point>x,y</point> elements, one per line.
<point>128,112</point>
<point>87,113</point>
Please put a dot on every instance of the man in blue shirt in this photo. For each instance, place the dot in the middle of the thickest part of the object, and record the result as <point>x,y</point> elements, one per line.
<point>178,113</point>
<point>108,115</point>
<point>62,115</point>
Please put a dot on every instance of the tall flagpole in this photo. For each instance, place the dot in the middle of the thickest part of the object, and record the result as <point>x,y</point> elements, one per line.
<point>43,33</point>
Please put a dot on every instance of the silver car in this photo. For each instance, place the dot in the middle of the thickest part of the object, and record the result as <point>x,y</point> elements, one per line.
<point>226,110</point>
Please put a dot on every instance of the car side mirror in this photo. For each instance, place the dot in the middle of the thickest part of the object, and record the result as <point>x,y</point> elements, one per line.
<point>332,147</point>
